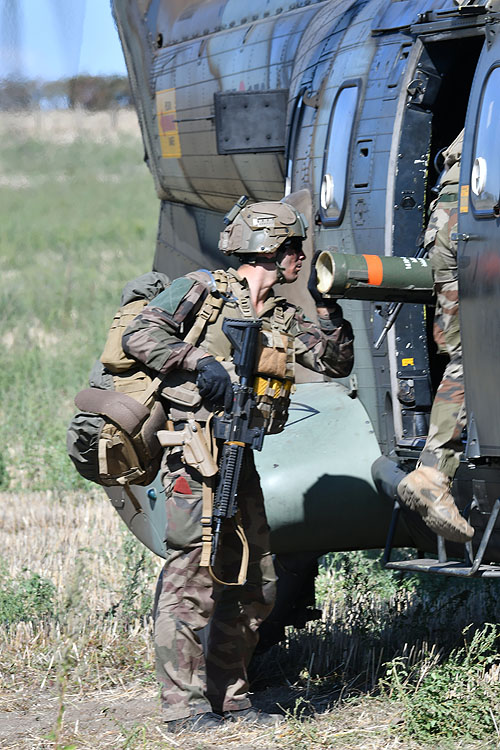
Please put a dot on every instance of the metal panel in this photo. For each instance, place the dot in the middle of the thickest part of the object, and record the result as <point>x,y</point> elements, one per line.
<point>335,487</point>
<point>187,240</point>
<point>396,16</point>
<point>479,281</point>
<point>403,14</point>
<point>174,21</point>
<point>250,121</point>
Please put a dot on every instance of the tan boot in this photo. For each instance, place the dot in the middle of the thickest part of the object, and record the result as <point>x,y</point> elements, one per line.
<point>427,491</point>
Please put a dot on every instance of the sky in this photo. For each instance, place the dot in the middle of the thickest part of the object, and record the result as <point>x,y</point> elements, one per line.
<point>51,39</point>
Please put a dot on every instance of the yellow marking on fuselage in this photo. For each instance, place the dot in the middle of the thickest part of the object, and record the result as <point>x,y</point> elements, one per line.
<point>168,130</point>
<point>464,199</point>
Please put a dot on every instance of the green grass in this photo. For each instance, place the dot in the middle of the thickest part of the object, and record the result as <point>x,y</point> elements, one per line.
<point>26,598</point>
<point>77,222</point>
<point>454,698</point>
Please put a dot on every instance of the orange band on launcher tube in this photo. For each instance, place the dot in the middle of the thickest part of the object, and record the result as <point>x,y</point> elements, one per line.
<point>375,269</point>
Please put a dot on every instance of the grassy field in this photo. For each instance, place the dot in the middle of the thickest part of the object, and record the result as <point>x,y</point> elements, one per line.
<point>76,658</point>
<point>78,220</point>
<point>393,663</point>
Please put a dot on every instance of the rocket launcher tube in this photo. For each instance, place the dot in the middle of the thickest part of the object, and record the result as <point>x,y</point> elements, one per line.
<point>374,277</point>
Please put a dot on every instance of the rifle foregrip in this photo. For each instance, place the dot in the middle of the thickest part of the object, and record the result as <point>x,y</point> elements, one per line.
<point>225,496</point>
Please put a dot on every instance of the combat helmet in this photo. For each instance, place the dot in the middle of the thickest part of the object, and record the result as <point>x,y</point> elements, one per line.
<point>260,228</point>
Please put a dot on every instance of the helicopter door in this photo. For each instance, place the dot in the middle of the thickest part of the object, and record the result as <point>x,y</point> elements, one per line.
<point>479,253</point>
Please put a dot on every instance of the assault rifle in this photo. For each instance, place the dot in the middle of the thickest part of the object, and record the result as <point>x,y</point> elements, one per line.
<point>234,426</point>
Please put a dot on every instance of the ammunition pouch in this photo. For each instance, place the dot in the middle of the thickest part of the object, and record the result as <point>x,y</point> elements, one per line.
<point>274,382</point>
<point>180,390</point>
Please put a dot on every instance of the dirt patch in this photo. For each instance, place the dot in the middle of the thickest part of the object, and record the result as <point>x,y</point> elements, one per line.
<point>131,718</point>
<point>100,718</point>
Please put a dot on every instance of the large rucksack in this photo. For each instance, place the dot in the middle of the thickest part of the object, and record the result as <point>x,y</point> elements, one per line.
<point>112,439</point>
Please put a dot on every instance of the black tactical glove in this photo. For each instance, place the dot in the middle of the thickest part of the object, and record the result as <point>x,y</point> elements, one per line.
<point>213,382</point>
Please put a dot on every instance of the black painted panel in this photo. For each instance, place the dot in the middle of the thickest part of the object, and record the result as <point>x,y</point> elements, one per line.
<point>479,283</point>
<point>250,122</point>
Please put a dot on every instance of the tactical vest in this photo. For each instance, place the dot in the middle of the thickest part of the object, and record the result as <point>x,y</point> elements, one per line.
<point>275,362</point>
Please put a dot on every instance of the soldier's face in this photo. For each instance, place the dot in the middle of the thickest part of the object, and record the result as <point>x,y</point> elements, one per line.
<point>291,262</point>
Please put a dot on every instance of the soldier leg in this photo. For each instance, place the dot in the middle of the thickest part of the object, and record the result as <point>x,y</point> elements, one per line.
<point>443,446</point>
<point>427,489</point>
<point>240,609</point>
<point>185,599</point>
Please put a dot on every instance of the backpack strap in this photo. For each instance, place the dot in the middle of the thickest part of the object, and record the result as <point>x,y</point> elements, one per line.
<point>212,306</point>
<point>150,390</point>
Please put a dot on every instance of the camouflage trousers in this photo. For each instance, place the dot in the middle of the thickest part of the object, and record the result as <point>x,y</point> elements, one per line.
<point>193,679</point>
<point>443,447</point>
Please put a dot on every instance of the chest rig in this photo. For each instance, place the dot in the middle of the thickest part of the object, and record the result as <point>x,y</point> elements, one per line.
<point>275,360</point>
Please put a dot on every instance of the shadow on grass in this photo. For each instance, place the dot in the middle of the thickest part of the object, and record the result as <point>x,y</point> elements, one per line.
<point>362,631</point>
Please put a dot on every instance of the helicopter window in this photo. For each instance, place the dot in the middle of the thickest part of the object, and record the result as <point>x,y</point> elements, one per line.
<point>485,176</point>
<point>292,141</point>
<point>336,159</point>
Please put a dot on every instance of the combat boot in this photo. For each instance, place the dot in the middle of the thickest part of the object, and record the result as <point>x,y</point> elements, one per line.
<point>197,723</point>
<point>252,715</point>
<point>427,491</point>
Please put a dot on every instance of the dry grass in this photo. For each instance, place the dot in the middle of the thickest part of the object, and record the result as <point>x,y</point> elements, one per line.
<point>101,671</point>
<point>65,126</point>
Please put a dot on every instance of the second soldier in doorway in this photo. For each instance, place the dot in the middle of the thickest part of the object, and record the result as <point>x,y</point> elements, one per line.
<point>428,489</point>
<point>179,335</point>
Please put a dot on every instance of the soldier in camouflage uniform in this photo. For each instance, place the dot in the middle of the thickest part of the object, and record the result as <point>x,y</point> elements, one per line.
<point>201,689</point>
<point>427,489</point>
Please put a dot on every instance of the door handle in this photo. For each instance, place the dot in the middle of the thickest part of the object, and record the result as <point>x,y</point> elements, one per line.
<point>457,236</point>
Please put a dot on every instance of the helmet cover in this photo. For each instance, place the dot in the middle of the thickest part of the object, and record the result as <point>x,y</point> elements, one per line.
<point>261,228</point>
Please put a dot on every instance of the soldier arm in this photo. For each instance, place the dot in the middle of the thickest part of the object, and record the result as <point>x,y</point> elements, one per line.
<point>327,348</point>
<point>154,337</point>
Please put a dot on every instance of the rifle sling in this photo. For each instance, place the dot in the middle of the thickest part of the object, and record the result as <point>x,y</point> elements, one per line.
<point>207,502</point>
<point>206,521</point>
<point>206,524</point>
<point>245,555</point>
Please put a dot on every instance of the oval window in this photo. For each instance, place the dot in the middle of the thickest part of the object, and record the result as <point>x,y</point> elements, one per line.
<point>336,159</point>
<point>485,176</point>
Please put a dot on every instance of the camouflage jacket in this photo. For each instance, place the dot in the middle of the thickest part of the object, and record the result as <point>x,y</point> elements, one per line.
<point>155,336</point>
<point>443,218</point>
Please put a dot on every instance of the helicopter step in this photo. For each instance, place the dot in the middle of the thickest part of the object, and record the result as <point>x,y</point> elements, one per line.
<point>472,564</point>
<point>436,555</point>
